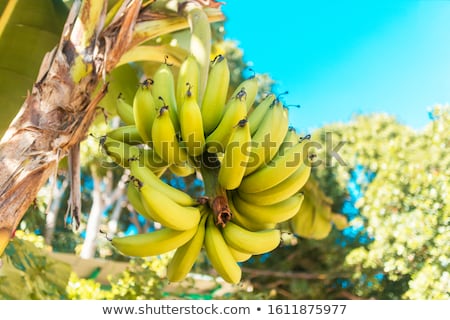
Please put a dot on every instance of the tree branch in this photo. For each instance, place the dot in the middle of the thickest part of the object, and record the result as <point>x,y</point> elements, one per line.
<point>292,275</point>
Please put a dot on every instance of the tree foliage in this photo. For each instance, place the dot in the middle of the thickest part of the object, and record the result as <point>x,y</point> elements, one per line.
<point>403,207</point>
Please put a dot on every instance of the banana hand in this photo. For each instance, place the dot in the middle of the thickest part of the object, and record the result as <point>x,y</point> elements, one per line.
<point>213,104</point>
<point>147,177</point>
<point>268,137</point>
<point>165,140</point>
<point>152,243</point>
<point>128,134</point>
<point>274,213</point>
<point>164,89</point>
<point>281,191</point>
<point>236,110</point>
<point>191,125</point>
<point>124,111</point>
<point>219,253</point>
<point>186,255</point>
<point>144,111</point>
<point>236,156</point>
<point>189,73</point>
<point>253,242</point>
<point>281,167</point>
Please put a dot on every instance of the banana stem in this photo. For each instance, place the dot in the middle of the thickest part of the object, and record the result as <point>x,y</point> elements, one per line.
<point>216,195</point>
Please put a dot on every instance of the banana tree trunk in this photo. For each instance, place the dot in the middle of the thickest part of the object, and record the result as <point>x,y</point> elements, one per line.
<point>59,109</point>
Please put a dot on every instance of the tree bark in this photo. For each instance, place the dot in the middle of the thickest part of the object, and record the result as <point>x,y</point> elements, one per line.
<point>60,108</point>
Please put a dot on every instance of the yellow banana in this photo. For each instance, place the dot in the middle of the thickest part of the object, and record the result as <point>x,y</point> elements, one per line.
<point>281,191</point>
<point>268,137</point>
<point>189,73</point>
<point>119,152</point>
<point>134,198</point>
<point>236,156</point>
<point>302,222</point>
<point>275,213</point>
<point>186,255</point>
<point>253,242</point>
<point>235,111</point>
<point>191,125</point>
<point>166,211</point>
<point>238,255</point>
<point>277,170</point>
<point>124,111</point>
<point>144,110</point>
<point>339,220</point>
<point>250,86</point>
<point>290,140</point>
<point>219,253</point>
<point>153,243</point>
<point>128,134</point>
<point>163,89</point>
<point>147,177</point>
<point>322,222</point>
<point>182,170</point>
<point>244,221</point>
<point>165,140</point>
<point>213,103</point>
<point>153,161</point>
<point>258,113</point>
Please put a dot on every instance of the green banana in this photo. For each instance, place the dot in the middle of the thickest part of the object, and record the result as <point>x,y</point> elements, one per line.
<point>144,110</point>
<point>281,191</point>
<point>303,221</point>
<point>146,176</point>
<point>322,222</point>
<point>236,110</point>
<point>153,243</point>
<point>189,73</point>
<point>128,134</point>
<point>124,111</point>
<point>134,198</point>
<point>219,253</point>
<point>165,140</point>
<point>182,170</point>
<point>275,213</point>
<point>268,137</point>
<point>153,161</point>
<point>238,255</point>
<point>166,211</point>
<point>253,242</point>
<point>290,140</point>
<point>186,255</point>
<point>163,89</point>
<point>236,156</point>
<point>250,86</point>
<point>120,152</point>
<point>244,221</point>
<point>277,170</point>
<point>340,221</point>
<point>258,113</point>
<point>191,125</point>
<point>213,103</point>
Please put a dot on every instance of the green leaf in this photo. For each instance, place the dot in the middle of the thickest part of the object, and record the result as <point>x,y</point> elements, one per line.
<point>28,30</point>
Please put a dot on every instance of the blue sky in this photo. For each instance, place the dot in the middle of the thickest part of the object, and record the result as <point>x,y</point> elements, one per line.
<point>339,58</point>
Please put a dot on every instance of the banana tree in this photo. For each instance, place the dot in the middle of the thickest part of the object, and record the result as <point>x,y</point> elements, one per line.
<point>59,108</point>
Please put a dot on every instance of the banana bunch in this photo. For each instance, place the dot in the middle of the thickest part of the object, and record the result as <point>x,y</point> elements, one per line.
<point>253,165</point>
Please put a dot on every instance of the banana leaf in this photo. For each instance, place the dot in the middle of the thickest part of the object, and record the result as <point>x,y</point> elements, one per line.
<point>28,30</point>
